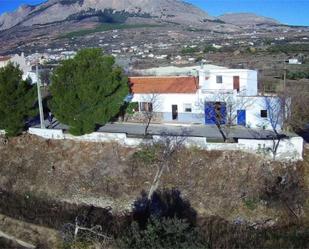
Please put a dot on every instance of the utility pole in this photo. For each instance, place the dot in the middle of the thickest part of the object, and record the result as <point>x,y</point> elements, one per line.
<point>284,77</point>
<point>40,98</point>
<point>284,96</point>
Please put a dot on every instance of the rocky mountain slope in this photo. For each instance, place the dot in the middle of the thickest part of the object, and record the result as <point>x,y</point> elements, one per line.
<point>247,19</point>
<point>61,10</point>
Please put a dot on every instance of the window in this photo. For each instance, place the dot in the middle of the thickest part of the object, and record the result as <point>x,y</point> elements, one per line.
<point>219,79</point>
<point>146,107</point>
<point>263,113</point>
<point>187,107</point>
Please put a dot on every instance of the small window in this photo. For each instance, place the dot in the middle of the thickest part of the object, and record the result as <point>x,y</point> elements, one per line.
<point>187,107</point>
<point>263,113</point>
<point>219,79</point>
<point>146,107</point>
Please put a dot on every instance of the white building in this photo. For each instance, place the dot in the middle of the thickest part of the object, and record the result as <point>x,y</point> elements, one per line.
<point>19,60</point>
<point>16,59</point>
<point>294,61</point>
<point>212,95</point>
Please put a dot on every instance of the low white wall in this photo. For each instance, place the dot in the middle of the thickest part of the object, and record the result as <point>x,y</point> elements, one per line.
<point>289,149</point>
<point>225,146</point>
<point>98,137</point>
<point>200,142</point>
<point>47,133</point>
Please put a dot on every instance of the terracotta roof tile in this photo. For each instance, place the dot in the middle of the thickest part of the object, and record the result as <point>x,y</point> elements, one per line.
<point>163,84</point>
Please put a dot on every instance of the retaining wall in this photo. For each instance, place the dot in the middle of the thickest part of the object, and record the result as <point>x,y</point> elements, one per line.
<point>289,149</point>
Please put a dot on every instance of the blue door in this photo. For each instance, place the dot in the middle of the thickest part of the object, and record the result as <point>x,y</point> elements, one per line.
<point>241,117</point>
<point>214,112</point>
<point>210,113</point>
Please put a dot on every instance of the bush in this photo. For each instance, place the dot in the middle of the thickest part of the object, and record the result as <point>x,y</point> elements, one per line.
<point>166,233</point>
<point>189,50</point>
<point>131,108</point>
<point>297,75</point>
<point>250,203</point>
<point>210,48</point>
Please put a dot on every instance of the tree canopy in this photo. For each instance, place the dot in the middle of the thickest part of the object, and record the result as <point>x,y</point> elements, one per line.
<point>87,91</point>
<point>17,99</point>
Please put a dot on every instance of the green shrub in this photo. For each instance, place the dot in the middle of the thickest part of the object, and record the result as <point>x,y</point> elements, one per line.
<point>297,75</point>
<point>131,108</point>
<point>146,155</point>
<point>190,50</point>
<point>166,233</point>
<point>209,48</point>
<point>250,203</point>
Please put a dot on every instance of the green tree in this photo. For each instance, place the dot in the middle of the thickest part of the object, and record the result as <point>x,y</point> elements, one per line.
<point>17,99</point>
<point>87,91</point>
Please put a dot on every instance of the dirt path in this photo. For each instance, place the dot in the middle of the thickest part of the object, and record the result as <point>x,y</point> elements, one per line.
<point>26,234</point>
<point>17,241</point>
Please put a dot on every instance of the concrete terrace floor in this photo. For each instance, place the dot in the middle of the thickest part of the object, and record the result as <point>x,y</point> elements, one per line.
<point>198,130</point>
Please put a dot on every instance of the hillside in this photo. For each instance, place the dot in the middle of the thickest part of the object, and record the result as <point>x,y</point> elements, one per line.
<point>247,19</point>
<point>108,10</point>
<point>237,187</point>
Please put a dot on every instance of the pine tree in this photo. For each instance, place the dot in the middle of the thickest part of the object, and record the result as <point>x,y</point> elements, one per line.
<point>17,99</point>
<point>87,91</point>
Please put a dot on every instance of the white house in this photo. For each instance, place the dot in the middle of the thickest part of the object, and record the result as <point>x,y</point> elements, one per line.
<point>20,61</point>
<point>294,61</point>
<point>212,95</point>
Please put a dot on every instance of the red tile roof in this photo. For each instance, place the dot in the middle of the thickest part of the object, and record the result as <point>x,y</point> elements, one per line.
<point>163,84</point>
<point>5,58</point>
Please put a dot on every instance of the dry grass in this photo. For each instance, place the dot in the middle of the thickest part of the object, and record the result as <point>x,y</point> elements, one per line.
<point>226,184</point>
<point>30,233</point>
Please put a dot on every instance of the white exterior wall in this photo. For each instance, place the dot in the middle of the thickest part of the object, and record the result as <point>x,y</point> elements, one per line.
<point>252,105</point>
<point>211,91</point>
<point>247,80</point>
<point>32,76</point>
<point>20,61</point>
<point>253,114</point>
<point>164,102</point>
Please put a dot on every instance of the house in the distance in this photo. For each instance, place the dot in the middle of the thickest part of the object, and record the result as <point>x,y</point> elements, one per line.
<point>207,95</point>
<point>19,60</point>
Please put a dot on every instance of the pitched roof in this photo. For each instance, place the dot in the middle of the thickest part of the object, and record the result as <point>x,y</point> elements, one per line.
<point>163,84</point>
<point>5,58</point>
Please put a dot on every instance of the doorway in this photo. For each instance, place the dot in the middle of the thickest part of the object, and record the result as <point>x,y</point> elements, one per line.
<point>241,117</point>
<point>236,84</point>
<point>174,112</point>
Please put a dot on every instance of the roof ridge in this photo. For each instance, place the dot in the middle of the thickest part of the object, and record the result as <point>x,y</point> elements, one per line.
<point>168,76</point>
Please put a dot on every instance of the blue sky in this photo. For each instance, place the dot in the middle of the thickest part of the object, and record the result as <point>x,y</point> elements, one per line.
<point>294,12</point>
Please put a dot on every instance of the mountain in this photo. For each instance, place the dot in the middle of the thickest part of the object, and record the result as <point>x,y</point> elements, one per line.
<point>247,19</point>
<point>51,23</point>
<point>54,11</point>
<point>7,20</point>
